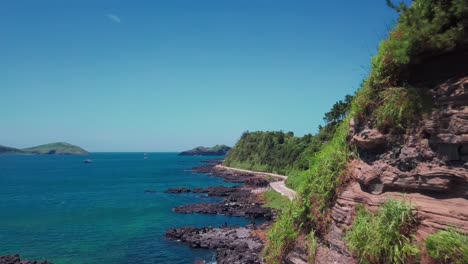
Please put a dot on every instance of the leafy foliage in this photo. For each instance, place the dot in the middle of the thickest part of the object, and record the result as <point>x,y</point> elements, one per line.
<point>448,246</point>
<point>426,27</point>
<point>284,153</point>
<point>267,151</point>
<point>383,237</point>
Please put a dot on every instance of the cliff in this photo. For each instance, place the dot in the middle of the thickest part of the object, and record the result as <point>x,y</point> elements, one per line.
<point>391,186</point>
<point>427,168</point>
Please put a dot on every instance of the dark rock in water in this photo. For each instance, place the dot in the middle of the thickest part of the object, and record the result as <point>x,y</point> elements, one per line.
<point>150,191</point>
<point>230,209</point>
<point>234,245</point>
<point>217,191</point>
<point>15,259</point>
<point>237,202</point>
<point>177,190</point>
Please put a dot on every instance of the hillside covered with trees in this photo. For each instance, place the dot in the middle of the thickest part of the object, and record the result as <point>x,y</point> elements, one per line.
<point>281,152</point>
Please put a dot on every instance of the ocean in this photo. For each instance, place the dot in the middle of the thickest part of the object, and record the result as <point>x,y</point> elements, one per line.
<point>63,210</point>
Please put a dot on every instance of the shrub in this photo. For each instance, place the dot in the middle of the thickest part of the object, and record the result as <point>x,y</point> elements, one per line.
<point>448,246</point>
<point>427,27</point>
<point>383,237</point>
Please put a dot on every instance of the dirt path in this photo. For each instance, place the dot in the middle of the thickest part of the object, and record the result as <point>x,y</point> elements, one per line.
<point>278,186</point>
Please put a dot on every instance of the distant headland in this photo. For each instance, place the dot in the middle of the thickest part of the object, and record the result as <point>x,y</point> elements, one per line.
<point>218,150</point>
<point>58,148</point>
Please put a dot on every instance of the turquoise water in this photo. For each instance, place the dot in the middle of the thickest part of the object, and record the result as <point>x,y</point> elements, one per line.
<point>63,210</point>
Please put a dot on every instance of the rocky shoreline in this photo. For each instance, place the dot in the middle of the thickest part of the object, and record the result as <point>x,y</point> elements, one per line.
<point>15,259</point>
<point>232,244</point>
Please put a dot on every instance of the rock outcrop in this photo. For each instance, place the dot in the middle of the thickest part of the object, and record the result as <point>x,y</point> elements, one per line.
<point>234,245</point>
<point>237,202</point>
<point>427,168</point>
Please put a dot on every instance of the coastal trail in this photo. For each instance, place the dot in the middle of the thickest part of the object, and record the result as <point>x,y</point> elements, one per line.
<point>278,186</point>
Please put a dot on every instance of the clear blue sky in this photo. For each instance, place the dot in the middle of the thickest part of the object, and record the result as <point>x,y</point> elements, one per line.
<point>171,75</point>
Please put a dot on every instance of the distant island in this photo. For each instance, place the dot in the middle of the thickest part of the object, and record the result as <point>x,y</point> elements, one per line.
<point>58,148</point>
<point>218,150</point>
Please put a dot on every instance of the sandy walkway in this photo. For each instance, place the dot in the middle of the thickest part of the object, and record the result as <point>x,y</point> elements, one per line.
<point>278,186</point>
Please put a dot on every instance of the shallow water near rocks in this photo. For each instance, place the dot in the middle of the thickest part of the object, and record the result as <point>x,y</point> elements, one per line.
<point>63,210</point>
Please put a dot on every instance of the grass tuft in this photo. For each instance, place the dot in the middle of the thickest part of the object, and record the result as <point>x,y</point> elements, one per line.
<point>448,246</point>
<point>384,237</point>
<point>312,246</point>
<point>399,108</point>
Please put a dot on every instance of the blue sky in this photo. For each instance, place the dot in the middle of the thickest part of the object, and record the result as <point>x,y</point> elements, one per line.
<point>171,75</point>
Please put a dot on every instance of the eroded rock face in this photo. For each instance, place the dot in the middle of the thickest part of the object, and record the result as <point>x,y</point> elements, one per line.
<point>370,139</point>
<point>427,168</point>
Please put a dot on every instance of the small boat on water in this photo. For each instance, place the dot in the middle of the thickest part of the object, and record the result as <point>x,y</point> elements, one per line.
<point>87,161</point>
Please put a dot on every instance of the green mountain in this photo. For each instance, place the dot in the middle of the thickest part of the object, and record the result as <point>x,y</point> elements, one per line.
<point>218,150</point>
<point>59,148</point>
<point>8,150</point>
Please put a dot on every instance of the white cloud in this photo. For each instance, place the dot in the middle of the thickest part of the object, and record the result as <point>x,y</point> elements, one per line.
<point>113,17</point>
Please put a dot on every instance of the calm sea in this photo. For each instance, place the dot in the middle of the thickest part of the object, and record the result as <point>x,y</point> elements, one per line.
<point>63,210</point>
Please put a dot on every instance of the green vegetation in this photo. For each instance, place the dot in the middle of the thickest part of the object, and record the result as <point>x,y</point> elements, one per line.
<point>267,151</point>
<point>312,246</point>
<point>275,200</point>
<point>218,150</point>
<point>448,246</point>
<point>399,107</point>
<point>317,189</point>
<point>282,235</point>
<point>425,29</point>
<point>8,150</point>
<point>283,153</point>
<point>384,237</point>
<point>59,148</point>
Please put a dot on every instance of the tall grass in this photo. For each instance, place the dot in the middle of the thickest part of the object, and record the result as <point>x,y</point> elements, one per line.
<point>312,246</point>
<point>384,237</point>
<point>399,107</point>
<point>283,233</point>
<point>448,246</point>
<point>315,195</point>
